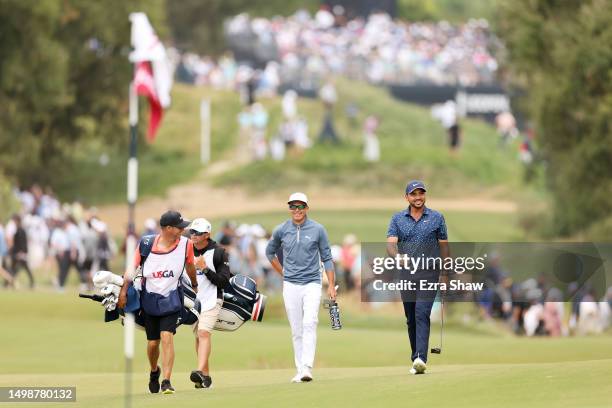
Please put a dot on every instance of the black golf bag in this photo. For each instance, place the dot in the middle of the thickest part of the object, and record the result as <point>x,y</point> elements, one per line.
<point>241,302</point>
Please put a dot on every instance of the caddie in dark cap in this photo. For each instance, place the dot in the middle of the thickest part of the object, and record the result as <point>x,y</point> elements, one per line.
<point>160,297</point>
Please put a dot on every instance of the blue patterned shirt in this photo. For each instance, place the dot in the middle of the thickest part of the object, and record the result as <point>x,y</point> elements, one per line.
<point>417,238</point>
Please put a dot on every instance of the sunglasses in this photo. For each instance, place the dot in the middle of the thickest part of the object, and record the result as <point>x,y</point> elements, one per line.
<point>297,206</point>
<point>197,233</point>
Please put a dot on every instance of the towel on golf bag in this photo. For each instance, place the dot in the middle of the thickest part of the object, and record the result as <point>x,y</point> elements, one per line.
<point>241,301</point>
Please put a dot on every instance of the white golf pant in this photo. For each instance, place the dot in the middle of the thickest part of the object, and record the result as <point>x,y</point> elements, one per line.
<point>302,306</point>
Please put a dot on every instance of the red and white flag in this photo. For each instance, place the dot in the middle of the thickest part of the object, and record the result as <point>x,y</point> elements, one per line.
<point>153,73</point>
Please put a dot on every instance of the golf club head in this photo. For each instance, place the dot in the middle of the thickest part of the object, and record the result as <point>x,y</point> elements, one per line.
<point>436,350</point>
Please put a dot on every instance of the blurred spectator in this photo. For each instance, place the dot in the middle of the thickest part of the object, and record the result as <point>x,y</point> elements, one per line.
<point>18,250</point>
<point>371,146</point>
<point>226,234</point>
<point>348,257</point>
<point>150,227</point>
<point>496,299</point>
<point>605,308</point>
<point>329,97</point>
<point>532,320</point>
<point>300,135</point>
<point>4,274</point>
<point>589,316</point>
<point>77,250</point>
<point>89,239</point>
<point>352,112</point>
<point>277,148</point>
<point>553,314</point>
<point>449,118</point>
<point>289,105</point>
<point>61,247</point>
<point>259,117</point>
<point>506,127</point>
<point>105,247</point>
<point>38,238</point>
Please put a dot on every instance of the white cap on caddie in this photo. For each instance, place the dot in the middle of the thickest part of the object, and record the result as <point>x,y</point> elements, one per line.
<point>298,197</point>
<point>201,225</point>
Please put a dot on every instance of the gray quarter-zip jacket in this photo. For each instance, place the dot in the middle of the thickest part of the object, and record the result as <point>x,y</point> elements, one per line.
<point>304,248</point>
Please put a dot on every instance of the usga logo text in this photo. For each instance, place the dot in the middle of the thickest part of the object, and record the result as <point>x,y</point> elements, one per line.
<point>162,274</point>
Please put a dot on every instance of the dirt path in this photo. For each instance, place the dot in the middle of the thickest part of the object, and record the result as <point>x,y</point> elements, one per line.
<point>201,199</point>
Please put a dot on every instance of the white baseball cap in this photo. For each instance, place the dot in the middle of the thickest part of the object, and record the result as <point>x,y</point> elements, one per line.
<point>298,197</point>
<point>201,225</point>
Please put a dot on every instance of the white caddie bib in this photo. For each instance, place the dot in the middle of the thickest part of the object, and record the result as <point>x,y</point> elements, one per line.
<point>162,271</point>
<point>207,291</point>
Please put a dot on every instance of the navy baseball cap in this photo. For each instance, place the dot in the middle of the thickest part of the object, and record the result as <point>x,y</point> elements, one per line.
<point>173,219</point>
<point>413,185</point>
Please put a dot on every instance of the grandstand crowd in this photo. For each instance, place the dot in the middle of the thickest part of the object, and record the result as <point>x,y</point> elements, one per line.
<point>304,48</point>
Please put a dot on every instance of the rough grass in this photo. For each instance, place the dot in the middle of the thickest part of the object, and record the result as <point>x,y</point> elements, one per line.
<point>413,145</point>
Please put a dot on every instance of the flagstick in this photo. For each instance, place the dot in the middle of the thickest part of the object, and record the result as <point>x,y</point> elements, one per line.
<point>130,244</point>
<point>129,326</point>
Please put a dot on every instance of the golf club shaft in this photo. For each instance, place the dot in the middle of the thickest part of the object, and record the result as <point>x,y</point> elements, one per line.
<point>95,298</point>
<point>442,321</point>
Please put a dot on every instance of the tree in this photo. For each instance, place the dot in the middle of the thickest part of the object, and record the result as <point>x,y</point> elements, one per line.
<point>64,76</point>
<point>560,51</point>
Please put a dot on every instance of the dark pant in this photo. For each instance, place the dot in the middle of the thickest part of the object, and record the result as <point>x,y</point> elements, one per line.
<point>418,322</point>
<point>328,132</point>
<point>19,261</point>
<point>63,265</point>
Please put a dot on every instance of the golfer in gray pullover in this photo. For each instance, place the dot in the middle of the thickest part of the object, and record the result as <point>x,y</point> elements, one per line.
<point>305,247</point>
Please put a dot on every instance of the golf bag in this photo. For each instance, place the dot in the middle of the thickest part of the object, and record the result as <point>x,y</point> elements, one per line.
<point>241,301</point>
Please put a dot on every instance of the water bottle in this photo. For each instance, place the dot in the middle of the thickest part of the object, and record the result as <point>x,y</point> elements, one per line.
<point>334,313</point>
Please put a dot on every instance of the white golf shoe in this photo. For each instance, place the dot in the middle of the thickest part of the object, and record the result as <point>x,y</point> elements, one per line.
<point>412,371</point>
<point>306,374</point>
<point>297,378</point>
<point>419,366</point>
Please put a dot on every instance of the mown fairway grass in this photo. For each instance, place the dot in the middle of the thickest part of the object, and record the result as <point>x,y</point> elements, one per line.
<point>51,339</point>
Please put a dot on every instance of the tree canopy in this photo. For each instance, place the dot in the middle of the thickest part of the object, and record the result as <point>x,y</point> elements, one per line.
<point>64,76</point>
<point>560,51</point>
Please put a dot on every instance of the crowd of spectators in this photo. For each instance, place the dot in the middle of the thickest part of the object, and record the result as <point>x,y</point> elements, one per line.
<point>378,49</point>
<point>46,235</point>
<point>246,245</point>
<point>302,50</point>
<point>535,307</point>
<point>45,232</point>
